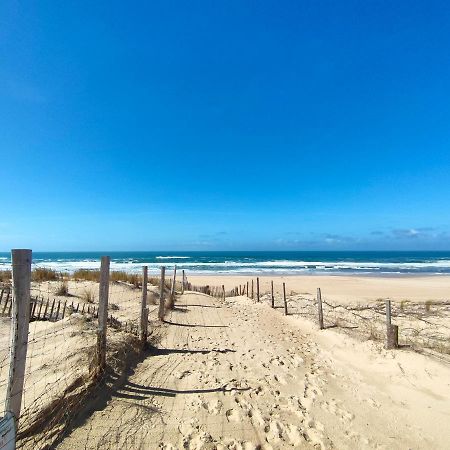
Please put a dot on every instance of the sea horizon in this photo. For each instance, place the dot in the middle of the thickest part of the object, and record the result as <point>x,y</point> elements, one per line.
<point>289,262</point>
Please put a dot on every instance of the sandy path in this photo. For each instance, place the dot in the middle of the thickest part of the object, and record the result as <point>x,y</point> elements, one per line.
<point>241,376</point>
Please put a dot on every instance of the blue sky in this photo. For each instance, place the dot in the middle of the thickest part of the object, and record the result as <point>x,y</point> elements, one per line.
<point>225,125</point>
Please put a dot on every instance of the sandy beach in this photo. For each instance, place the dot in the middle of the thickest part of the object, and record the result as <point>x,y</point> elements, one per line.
<point>345,288</point>
<point>239,374</point>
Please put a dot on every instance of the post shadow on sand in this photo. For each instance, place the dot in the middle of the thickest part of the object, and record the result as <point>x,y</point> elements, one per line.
<point>192,325</point>
<point>135,391</point>
<point>204,306</point>
<point>154,351</point>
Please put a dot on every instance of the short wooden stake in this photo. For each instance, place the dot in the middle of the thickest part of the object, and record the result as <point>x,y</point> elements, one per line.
<point>161,294</point>
<point>51,310</point>
<point>46,308</point>
<point>273,298</point>
<point>319,305</point>
<point>257,289</point>
<point>252,291</point>
<point>143,329</point>
<point>103,295</point>
<point>391,330</point>
<point>57,310</point>
<point>21,274</point>
<point>284,299</point>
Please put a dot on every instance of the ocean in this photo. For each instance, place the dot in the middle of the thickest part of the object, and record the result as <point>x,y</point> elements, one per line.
<point>252,263</point>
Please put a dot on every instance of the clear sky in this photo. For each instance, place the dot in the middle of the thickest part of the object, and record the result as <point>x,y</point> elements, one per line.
<point>208,125</point>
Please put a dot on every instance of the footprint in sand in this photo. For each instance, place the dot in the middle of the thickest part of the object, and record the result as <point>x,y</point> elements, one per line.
<point>213,407</point>
<point>333,407</point>
<point>233,415</point>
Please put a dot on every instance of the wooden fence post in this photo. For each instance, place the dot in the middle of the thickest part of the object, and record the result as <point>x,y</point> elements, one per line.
<point>284,298</point>
<point>103,294</point>
<point>172,290</point>
<point>161,294</point>
<point>257,289</point>
<point>273,298</point>
<point>143,329</point>
<point>252,291</point>
<point>391,330</point>
<point>182,283</point>
<point>319,305</point>
<point>223,291</point>
<point>21,275</point>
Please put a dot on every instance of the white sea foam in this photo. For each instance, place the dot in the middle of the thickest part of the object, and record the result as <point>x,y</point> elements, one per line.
<point>172,257</point>
<point>246,267</point>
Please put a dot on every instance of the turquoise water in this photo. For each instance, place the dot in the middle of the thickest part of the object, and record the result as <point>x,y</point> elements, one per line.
<point>245,263</point>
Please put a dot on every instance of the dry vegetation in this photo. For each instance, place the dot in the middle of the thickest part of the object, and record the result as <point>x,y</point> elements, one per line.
<point>5,276</point>
<point>42,274</point>
<point>63,289</point>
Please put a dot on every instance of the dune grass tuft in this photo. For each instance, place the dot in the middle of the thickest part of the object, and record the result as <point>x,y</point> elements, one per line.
<point>132,278</point>
<point>43,274</point>
<point>87,275</point>
<point>63,289</point>
<point>5,276</point>
<point>88,295</point>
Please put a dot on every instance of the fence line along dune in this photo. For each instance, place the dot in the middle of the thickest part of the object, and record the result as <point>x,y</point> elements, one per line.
<point>189,342</point>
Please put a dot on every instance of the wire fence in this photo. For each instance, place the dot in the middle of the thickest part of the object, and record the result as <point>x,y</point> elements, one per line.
<point>82,327</point>
<point>422,326</point>
<point>62,318</point>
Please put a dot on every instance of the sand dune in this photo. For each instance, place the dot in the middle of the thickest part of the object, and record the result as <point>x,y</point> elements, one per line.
<point>239,375</point>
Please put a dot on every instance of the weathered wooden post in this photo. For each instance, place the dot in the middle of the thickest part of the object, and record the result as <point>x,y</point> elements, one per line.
<point>182,284</point>
<point>284,299</point>
<point>21,275</point>
<point>223,291</point>
<point>246,291</point>
<point>391,330</point>
<point>172,289</point>
<point>143,331</point>
<point>103,295</point>
<point>319,305</point>
<point>257,289</point>
<point>161,294</point>
<point>252,291</point>
<point>273,298</point>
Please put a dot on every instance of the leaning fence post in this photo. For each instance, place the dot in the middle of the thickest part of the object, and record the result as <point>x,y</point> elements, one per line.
<point>161,294</point>
<point>252,291</point>
<point>391,330</point>
<point>273,298</point>
<point>284,298</point>
<point>319,305</point>
<point>223,291</point>
<point>257,289</point>
<point>21,275</point>
<point>143,331</point>
<point>103,312</point>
